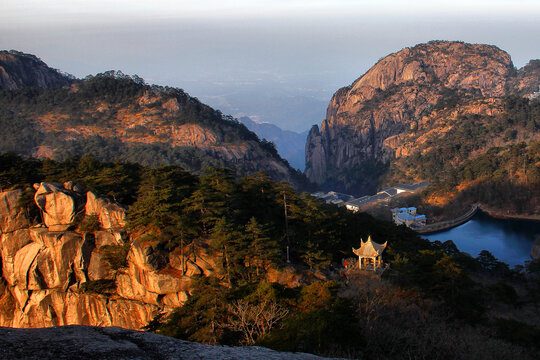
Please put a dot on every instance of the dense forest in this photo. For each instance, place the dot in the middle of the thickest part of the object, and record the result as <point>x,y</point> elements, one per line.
<point>494,160</point>
<point>432,302</point>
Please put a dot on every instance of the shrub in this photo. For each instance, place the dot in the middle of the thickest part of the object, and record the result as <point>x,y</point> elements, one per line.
<point>116,255</point>
<point>102,286</point>
<point>90,224</point>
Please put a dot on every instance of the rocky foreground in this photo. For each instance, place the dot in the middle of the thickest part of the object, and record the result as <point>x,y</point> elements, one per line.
<point>86,342</point>
<point>44,267</point>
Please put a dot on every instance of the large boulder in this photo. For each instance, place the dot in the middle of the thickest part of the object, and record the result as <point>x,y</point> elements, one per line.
<point>24,264</point>
<point>59,203</point>
<point>112,216</point>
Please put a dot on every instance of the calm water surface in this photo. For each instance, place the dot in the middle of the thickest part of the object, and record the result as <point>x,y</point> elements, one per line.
<point>508,240</point>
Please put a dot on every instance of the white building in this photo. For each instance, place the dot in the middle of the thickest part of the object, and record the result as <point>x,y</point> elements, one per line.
<point>408,217</point>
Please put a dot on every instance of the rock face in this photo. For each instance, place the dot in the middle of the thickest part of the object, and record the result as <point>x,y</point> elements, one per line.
<point>401,93</point>
<point>59,204</point>
<point>18,70</point>
<point>53,276</point>
<point>11,215</point>
<point>112,216</point>
<point>84,342</point>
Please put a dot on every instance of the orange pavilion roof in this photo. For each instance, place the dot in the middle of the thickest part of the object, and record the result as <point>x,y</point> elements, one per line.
<point>369,248</point>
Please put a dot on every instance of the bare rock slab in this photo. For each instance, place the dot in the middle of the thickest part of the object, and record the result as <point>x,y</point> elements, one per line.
<point>112,343</point>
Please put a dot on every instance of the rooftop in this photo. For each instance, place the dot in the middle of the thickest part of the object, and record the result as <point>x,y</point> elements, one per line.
<point>369,248</point>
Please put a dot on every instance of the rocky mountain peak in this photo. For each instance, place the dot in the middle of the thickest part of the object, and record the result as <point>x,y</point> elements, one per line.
<point>475,67</point>
<point>401,93</point>
<point>18,70</point>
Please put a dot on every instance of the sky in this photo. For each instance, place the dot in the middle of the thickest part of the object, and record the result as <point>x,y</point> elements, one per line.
<point>277,61</point>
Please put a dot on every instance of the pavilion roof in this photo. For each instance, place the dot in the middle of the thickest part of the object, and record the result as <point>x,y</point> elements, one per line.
<point>369,248</point>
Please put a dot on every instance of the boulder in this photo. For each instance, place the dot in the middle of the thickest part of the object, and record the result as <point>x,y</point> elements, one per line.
<point>12,217</point>
<point>108,238</point>
<point>175,300</point>
<point>112,216</point>
<point>131,289</point>
<point>202,264</point>
<point>58,203</point>
<point>287,276</point>
<point>7,303</point>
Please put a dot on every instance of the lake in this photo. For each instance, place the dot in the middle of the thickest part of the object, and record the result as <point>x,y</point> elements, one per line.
<point>509,241</point>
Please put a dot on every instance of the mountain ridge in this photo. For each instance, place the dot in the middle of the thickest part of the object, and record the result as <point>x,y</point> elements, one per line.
<point>115,116</point>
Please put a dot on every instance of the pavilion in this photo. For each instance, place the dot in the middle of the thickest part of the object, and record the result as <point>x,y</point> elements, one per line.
<point>369,253</point>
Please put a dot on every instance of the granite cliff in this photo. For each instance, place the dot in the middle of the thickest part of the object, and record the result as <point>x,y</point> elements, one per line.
<point>56,274</point>
<point>18,70</point>
<point>409,101</point>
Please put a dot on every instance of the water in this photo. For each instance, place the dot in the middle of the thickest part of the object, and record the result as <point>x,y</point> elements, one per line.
<point>509,241</point>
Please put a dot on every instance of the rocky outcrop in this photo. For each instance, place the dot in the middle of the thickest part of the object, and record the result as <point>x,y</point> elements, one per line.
<point>12,217</point>
<point>18,70</point>
<point>367,122</point>
<point>315,156</point>
<point>53,276</point>
<point>59,204</point>
<point>112,343</point>
<point>111,215</point>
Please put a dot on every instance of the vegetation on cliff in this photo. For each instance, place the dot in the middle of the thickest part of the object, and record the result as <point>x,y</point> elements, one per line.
<point>118,117</point>
<point>494,160</point>
<point>457,115</point>
<point>433,301</point>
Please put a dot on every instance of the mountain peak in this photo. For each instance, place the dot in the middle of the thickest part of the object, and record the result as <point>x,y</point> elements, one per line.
<point>18,70</point>
<point>420,90</point>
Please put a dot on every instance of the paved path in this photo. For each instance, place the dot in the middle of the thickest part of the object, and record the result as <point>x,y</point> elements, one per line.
<point>448,224</point>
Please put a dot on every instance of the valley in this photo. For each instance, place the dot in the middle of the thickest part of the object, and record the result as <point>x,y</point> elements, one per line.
<point>124,204</point>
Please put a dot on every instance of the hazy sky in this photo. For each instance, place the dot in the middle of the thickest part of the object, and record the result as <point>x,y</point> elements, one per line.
<point>275,60</point>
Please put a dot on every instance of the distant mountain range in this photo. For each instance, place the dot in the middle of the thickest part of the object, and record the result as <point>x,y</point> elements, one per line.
<point>113,116</point>
<point>290,144</point>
